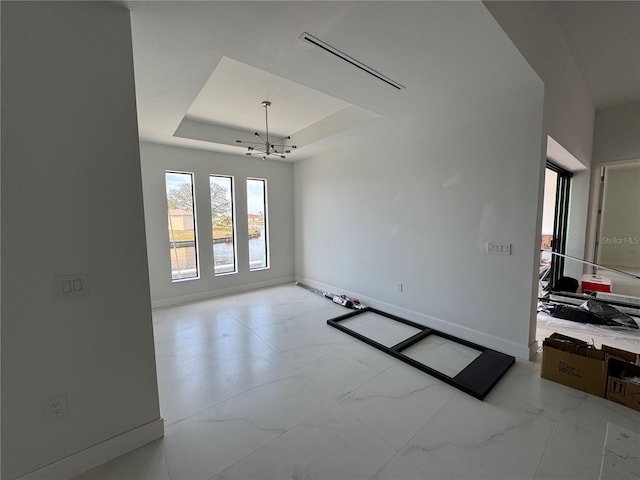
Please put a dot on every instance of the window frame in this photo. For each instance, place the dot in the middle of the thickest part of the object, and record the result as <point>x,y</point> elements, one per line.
<point>267,246</point>
<point>233,226</point>
<point>561,220</point>
<point>196,244</point>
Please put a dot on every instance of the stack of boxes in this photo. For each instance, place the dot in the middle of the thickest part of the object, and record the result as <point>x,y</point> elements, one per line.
<point>608,372</point>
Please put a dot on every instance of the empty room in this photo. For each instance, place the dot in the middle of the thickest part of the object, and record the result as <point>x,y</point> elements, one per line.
<point>317,239</point>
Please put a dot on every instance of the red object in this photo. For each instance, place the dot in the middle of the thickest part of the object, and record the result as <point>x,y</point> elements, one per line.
<point>595,283</point>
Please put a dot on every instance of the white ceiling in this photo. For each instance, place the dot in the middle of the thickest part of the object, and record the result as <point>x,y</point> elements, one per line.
<point>234,93</point>
<point>202,68</point>
<point>604,39</point>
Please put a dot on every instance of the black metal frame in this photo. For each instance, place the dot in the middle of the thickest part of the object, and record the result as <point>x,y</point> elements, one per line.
<point>477,379</point>
<point>561,219</point>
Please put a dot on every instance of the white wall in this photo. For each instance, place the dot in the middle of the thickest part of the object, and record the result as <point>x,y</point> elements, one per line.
<point>617,134</point>
<point>366,220</point>
<point>620,225</point>
<point>617,140</point>
<point>279,175</point>
<point>414,197</point>
<point>71,202</point>
<point>569,113</point>
<point>568,109</point>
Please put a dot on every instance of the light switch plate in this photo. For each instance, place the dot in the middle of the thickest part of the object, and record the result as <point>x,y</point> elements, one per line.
<point>499,248</point>
<point>72,285</point>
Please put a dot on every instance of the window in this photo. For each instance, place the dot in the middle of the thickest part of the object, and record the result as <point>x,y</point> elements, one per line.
<point>182,226</point>
<point>222,224</point>
<point>257,222</point>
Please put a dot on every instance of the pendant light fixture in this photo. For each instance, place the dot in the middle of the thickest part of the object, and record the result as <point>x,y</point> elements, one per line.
<point>265,147</point>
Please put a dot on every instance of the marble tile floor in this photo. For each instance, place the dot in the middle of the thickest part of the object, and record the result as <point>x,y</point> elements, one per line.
<point>621,459</point>
<point>257,386</point>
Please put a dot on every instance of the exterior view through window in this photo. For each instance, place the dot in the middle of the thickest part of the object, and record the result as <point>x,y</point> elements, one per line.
<point>222,225</point>
<point>548,216</point>
<point>258,226</point>
<point>182,226</point>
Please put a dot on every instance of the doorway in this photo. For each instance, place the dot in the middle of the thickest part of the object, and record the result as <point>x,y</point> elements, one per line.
<point>617,239</point>
<point>555,216</point>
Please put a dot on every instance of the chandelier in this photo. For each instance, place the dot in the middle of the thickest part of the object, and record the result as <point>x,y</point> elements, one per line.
<point>265,146</point>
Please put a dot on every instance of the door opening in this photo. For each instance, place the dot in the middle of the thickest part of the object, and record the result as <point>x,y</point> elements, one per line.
<point>555,216</point>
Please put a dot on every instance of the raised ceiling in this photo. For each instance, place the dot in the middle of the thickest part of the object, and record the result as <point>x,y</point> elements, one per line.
<point>202,68</point>
<point>178,46</point>
<point>233,94</point>
<point>229,108</point>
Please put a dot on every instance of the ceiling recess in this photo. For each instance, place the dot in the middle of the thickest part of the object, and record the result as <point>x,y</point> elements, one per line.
<point>334,51</point>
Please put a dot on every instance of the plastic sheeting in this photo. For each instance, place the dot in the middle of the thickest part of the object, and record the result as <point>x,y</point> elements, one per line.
<point>619,337</point>
<point>593,312</point>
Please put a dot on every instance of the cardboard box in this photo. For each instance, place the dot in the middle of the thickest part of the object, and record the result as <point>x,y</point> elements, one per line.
<point>622,384</point>
<point>611,353</point>
<point>601,372</point>
<point>574,363</point>
<point>595,283</point>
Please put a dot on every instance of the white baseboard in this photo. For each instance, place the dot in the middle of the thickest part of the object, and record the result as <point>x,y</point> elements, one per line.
<point>98,454</point>
<point>475,336</point>
<point>194,297</point>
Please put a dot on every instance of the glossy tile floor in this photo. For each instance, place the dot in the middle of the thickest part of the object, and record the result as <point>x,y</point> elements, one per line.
<point>257,386</point>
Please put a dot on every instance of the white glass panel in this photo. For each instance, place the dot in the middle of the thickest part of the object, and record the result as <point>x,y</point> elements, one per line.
<point>443,355</point>
<point>383,330</point>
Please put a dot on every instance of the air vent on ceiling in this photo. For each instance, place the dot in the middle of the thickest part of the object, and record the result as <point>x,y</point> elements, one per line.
<point>328,48</point>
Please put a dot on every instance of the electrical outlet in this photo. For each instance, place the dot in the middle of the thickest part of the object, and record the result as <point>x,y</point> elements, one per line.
<point>74,285</point>
<point>398,287</point>
<point>56,407</point>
